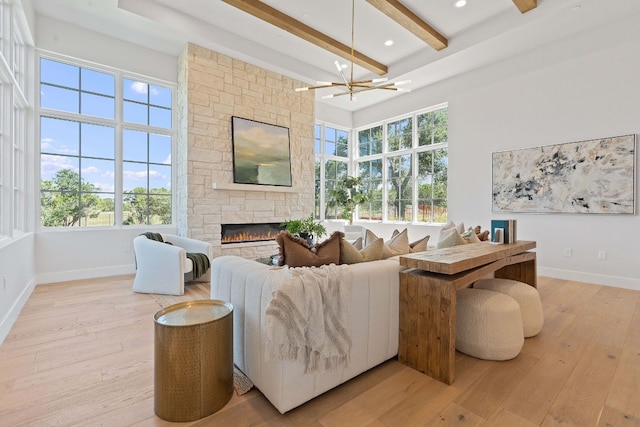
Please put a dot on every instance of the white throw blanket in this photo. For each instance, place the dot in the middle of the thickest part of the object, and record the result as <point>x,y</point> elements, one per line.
<point>309,317</point>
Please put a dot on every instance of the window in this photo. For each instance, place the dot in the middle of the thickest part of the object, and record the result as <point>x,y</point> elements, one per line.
<point>106,145</point>
<point>13,121</point>
<point>18,161</point>
<point>408,180</point>
<point>332,167</point>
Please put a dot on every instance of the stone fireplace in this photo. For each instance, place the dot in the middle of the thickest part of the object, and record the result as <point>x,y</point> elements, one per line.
<point>212,88</point>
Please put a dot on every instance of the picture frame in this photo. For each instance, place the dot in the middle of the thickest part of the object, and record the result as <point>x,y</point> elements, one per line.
<point>261,153</point>
<point>594,176</point>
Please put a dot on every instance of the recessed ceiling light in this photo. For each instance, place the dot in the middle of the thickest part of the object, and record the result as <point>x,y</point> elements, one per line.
<point>388,43</point>
<point>460,3</point>
<point>344,66</point>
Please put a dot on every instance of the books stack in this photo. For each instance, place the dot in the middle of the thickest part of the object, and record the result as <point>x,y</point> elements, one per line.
<point>503,231</point>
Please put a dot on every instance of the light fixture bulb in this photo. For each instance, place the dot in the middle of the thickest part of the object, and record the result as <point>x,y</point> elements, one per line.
<point>388,43</point>
<point>460,3</point>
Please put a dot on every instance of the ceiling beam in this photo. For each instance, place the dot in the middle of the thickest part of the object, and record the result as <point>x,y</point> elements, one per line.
<point>412,22</point>
<point>285,22</point>
<point>526,5</point>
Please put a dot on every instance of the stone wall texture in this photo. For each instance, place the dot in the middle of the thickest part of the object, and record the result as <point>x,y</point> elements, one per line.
<point>211,89</point>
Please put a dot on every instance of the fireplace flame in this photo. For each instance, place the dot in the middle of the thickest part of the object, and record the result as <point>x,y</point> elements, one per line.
<point>243,233</point>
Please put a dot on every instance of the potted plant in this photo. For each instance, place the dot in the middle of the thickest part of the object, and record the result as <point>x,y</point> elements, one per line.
<point>348,194</point>
<point>306,228</point>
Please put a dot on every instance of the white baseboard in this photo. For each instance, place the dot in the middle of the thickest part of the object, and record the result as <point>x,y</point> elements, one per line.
<point>10,318</point>
<point>598,279</point>
<point>86,273</point>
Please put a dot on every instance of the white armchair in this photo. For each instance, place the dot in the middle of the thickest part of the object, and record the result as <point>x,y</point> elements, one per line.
<point>163,268</point>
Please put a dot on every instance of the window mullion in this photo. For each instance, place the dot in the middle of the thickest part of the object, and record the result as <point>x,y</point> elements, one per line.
<point>118,194</point>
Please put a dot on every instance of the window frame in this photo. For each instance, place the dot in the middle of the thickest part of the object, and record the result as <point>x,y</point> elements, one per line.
<point>414,150</point>
<point>120,126</point>
<point>15,118</point>
<point>323,158</point>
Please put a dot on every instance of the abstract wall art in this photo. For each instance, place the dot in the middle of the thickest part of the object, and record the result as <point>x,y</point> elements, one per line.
<point>261,153</point>
<point>594,176</point>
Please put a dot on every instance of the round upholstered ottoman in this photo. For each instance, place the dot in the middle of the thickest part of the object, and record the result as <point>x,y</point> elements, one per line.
<point>528,298</point>
<point>488,324</point>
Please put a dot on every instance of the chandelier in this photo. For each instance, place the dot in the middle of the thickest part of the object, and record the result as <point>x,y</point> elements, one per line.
<point>355,86</point>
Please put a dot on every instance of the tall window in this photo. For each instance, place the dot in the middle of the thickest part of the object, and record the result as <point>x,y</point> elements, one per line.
<point>13,120</point>
<point>404,165</point>
<point>332,167</point>
<point>106,143</point>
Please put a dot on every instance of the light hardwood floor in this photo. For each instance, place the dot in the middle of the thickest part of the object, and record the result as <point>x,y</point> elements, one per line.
<point>81,353</point>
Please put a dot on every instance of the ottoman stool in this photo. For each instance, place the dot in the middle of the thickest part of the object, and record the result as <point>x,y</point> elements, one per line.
<point>488,325</point>
<point>527,296</point>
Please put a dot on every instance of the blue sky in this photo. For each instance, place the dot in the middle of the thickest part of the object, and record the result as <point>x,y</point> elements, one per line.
<point>92,93</point>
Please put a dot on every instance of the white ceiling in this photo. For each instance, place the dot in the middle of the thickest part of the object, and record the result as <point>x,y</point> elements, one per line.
<point>481,33</point>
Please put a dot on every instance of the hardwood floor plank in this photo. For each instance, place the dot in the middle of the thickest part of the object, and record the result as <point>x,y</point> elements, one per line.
<point>369,405</point>
<point>583,396</point>
<point>624,395</point>
<point>613,418</point>
<point>504,418</point>
<point>456,415</point>
<point>485,396</point>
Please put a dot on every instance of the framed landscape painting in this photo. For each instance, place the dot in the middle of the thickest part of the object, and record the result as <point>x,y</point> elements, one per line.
<point>261,153</point>
<point>594,176</point>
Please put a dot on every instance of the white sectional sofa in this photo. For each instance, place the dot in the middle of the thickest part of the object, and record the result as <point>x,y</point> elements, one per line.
<point>374,309</point>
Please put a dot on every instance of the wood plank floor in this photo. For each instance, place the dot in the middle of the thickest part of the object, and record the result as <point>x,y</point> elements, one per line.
<point>81,353</point>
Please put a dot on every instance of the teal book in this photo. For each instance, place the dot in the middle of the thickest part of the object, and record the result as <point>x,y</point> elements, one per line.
<point>504,230</point>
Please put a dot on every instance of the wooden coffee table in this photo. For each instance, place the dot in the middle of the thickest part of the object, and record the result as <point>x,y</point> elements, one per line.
<point>427,337</point>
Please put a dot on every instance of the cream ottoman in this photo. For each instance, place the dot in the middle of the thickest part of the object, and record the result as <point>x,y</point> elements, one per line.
<point>527,296</point>
<point>488,324</point>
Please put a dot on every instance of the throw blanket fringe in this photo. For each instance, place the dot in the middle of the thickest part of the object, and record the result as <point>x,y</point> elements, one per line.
<point>309,318</point>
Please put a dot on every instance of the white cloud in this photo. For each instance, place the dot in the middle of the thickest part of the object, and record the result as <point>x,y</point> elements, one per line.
<point>139,87</point>
<point>49,165</point>
<point>90,169</point>
<point>167,161</point>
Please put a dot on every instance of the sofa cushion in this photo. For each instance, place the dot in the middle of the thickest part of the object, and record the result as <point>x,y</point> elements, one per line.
<point>296,252</point>
<point>420,245</point>
<point>470,236</point>
<point>349,254</point>
<point>452,238</point>
<point>397,245</point>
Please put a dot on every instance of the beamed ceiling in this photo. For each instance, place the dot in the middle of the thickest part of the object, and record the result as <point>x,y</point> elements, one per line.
<point>433,40</point>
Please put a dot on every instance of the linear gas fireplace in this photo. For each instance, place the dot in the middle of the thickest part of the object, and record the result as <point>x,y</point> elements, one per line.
<point>242,233</point>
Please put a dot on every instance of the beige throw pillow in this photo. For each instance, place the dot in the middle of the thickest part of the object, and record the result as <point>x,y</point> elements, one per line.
<point>349,254</point>
<point>420,245</point>
<point>397,245</point>
<point>453,238</point>
<point>470,236</point>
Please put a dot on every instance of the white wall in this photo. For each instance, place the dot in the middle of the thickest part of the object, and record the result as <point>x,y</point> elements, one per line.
<point>582,88</point>
<point>77,42</point>
<point>17,279</point>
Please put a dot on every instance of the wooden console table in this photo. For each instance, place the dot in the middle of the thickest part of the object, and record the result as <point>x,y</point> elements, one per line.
<point>427,337</point>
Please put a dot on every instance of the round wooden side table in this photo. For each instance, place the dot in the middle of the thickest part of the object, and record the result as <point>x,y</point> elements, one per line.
<point>193,359</point>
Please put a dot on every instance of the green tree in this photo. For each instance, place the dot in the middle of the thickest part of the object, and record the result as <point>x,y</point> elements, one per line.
<point>66,199</point>
<point>143,208</point>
